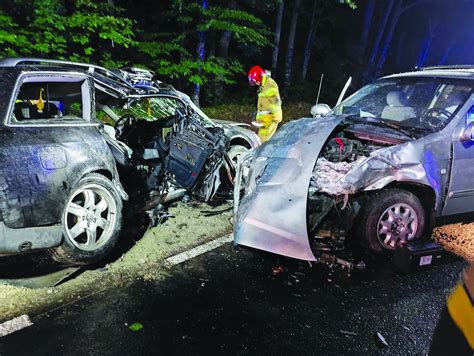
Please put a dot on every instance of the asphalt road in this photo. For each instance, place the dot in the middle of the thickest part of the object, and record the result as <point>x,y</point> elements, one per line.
<point>230,301</point>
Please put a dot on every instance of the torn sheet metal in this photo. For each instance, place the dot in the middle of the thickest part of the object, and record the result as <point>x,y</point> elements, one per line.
<point>271,214</point>
<point>329,176</point>
<point>420,161</point>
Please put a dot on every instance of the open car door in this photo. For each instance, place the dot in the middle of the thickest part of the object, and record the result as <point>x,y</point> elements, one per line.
<point>191,147</point>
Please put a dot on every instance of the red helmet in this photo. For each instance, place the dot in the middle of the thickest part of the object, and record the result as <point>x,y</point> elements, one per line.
<point>255,75</point>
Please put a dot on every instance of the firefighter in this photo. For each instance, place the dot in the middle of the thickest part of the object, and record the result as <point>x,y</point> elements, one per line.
<point>269,113</point>
<point>454,333</point>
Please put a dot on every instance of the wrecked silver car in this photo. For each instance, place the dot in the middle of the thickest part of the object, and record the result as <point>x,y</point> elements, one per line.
<point>80,141</point>
<point>380,169</point>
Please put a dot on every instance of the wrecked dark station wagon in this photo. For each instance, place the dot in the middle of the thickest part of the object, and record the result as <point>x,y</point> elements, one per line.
<point>77,140</point>
<point>380,169</point>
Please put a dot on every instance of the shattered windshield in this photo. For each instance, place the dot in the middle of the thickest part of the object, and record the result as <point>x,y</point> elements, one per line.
<point>151,109</point>
<point>418,104</point>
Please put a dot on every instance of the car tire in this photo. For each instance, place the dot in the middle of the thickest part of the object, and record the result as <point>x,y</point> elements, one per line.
<point>91,222</point>
<point>391,217</point>
<point>235,151</point>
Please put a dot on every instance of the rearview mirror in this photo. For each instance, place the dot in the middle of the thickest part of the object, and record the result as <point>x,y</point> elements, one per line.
<point>468,133</point>
<point>320,110</point>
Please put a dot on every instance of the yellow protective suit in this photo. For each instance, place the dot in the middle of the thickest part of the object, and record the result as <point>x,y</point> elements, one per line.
<point>269,112</point>
<point>454,333</point>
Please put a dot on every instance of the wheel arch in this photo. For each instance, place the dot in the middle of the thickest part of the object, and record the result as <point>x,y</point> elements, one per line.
<point>238,140</point>
<point>114,178</point>
<point>425,194</point>
<point>105,172</point>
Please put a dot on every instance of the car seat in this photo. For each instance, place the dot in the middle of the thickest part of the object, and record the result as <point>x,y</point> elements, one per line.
<point>397,108</point>
<point>22,111</point>
<point>455,99</point>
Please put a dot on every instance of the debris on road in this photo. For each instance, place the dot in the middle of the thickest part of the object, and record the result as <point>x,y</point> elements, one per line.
<point>350,333</point>
<point>332,260</point>
<point>277,270</point>
<point>208,213</point>
<point>382,339</point>
<point>136,327</point>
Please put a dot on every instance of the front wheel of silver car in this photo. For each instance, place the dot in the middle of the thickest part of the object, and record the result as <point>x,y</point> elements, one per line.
<point>391,217</point>
<point>91,222</point>
<point>235,151</point>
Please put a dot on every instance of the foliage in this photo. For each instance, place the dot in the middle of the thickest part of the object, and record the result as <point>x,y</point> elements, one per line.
<point>173,55</point>
<point>79,30</point>
<point>100,32</point>
<point>350,3</point>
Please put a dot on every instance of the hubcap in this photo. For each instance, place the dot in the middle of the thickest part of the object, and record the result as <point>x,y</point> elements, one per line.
<point>90,217</point>
<point>397,225</point>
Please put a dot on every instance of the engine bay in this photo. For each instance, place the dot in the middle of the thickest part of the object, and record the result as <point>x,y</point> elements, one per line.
<point>330,211</point>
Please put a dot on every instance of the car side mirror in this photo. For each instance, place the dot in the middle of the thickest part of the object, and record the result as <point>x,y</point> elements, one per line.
<point>320,110</point>
<point>468,133</point>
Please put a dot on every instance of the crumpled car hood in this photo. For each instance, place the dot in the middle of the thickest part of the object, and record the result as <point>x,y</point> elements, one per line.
<point>271,215</point>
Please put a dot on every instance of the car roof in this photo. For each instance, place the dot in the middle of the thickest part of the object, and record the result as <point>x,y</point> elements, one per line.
<point>454,71</point>
<point>123,81</point>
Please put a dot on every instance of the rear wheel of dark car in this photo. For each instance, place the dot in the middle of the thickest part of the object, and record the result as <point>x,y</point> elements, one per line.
<point>389,218</point>
<point>91,222</point>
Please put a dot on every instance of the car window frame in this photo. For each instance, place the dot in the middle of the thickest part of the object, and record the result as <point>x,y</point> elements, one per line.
<point>49,76</point>
<point>134,99</point>
<point>416,77</point>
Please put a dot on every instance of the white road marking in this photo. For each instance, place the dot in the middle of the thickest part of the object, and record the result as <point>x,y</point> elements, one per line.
<point>198,250</point>
<point>24,321</point>
<point>15,324</point>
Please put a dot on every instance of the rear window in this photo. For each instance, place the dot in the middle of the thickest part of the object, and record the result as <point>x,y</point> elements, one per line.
<point>55,100</point>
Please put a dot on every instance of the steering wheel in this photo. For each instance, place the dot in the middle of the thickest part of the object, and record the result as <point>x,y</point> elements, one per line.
<point>434,116</point>
<point>125,126</point>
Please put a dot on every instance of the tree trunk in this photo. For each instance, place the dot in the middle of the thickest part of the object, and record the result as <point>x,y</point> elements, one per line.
<point>276,39</point>
<point>425,47</point>
<point>399,10</point>
<point>226,36</point>
<point>368,15</point>
<point>400,48</point>
<point>201,55</point>
<point>310,40</point>
<point>291,42</point>
<point>223,51</point>
<point>388,38</point>
<point>447,52</point>
<point>381,29</point>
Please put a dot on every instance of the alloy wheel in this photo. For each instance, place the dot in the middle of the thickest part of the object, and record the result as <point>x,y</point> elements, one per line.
<point>397,225</point>
<point>90,217</point>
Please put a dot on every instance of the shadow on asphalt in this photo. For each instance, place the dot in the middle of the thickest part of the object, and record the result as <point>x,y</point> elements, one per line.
<point>38,263</point>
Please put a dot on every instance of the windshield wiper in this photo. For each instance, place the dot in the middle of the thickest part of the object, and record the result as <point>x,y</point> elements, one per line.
<point>380,122</point>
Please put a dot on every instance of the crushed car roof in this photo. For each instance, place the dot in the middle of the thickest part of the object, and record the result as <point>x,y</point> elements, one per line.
<point>126,81</point>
